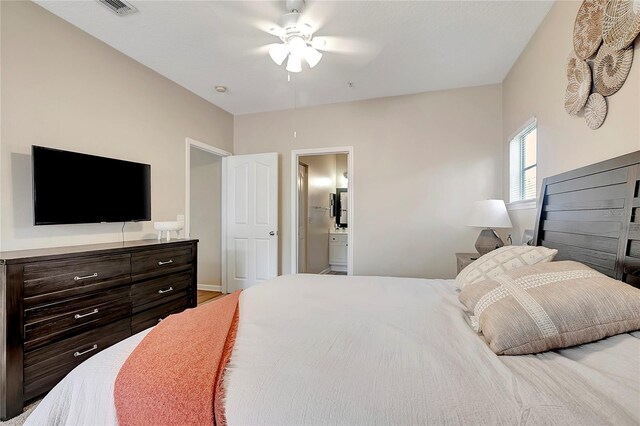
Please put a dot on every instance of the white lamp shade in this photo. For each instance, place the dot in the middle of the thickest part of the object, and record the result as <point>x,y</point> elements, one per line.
<point>279,53</point>
<point>489,214</point>
<point>297,46</point>
<point>312,56</point>
<point>294,64</point>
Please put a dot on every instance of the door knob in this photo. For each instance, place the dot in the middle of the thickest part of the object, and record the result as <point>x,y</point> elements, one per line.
<point>272,233</point>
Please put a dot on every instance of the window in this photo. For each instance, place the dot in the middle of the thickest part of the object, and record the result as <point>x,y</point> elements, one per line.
<point>523,164</point>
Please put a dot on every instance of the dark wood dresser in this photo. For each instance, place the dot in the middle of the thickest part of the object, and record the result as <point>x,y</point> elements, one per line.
<point>60,306</point>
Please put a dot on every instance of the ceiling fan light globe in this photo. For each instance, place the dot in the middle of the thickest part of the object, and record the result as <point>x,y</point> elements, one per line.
<point>297,46</point>
<point>312,56</point>
<point>279,53</point>
<point>294,64</point>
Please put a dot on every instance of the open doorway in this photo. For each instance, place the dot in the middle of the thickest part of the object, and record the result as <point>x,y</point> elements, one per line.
<point>322,200</point>
<point>204,218</point>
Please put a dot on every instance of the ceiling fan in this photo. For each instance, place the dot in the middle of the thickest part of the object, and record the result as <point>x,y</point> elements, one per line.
<point>297,40</point>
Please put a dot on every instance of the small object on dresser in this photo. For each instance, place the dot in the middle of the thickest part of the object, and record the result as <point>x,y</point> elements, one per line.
<point>489,214</point>
<point>167,227</point>
<point>465,259</point>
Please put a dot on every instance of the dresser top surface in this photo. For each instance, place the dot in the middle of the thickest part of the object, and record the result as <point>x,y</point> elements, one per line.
<point>19,256</point>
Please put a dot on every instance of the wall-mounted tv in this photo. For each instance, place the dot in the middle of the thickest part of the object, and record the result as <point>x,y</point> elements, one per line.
<point>70,187</point>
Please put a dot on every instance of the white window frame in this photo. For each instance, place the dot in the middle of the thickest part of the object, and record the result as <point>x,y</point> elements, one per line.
<point>529,203</point>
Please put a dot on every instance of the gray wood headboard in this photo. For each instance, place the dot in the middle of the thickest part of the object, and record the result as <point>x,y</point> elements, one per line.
<point>592,215</point>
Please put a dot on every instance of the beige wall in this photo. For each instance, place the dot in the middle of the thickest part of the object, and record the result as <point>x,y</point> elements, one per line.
<point>322,182</point>
<point>419,163</point>
<point>535,86</point>
<point>65,89</point>
<point>205,210</point>
<point>420,160</point>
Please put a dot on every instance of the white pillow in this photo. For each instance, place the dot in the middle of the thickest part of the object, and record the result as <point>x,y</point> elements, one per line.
<point>501,260</point>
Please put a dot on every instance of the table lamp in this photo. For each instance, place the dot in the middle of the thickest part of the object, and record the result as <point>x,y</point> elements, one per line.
<point>489,214</point>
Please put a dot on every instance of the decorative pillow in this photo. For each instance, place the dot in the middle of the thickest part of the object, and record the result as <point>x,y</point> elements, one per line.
<point>502,260</point>
<point>549,306</point>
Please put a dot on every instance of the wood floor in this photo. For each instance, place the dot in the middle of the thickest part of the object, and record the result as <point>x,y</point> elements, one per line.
<point>208,296</point>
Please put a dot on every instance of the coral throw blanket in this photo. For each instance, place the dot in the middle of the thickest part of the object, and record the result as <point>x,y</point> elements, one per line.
<point>174,377</point>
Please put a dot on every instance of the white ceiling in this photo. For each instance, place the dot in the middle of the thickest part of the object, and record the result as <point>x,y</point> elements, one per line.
<point>398,47</point>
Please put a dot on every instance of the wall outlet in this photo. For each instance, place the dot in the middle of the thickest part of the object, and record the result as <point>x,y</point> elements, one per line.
<point>180,218</point>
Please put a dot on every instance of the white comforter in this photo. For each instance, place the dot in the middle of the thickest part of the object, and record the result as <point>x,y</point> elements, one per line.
<point>317,349</point>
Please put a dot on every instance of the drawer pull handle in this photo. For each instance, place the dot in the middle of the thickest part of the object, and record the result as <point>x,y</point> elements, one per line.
<point>92,348</point>
<point>165,263</point>
<point>78,316</point>
<point>77,278</point>
<point>165,291</point>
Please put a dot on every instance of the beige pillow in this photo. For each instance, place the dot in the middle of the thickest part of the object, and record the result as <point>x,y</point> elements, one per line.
<point>549,306</point>
<point>501,260</point>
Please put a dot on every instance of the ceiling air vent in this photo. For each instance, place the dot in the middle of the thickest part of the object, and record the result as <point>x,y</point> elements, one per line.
<point>119,7</point>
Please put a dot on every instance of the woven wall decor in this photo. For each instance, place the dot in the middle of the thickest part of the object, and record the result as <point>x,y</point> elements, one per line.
<point>595,111</point>
<point>621,23</point>
<point>571,64</point>
<point>587,29</point>
<point>578,87</point>
<point>611,68</point>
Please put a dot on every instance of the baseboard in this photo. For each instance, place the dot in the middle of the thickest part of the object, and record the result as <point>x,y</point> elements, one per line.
<point>209,287</point>
<point>338,268</point>
<point>326,271</point>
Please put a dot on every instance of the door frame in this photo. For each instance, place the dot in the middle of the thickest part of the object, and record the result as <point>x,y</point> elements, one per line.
<point>192,143</point>
<point>306,213</point>
<point>295,154</point>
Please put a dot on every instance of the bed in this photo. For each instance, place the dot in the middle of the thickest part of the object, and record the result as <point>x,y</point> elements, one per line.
<point>379,350</point>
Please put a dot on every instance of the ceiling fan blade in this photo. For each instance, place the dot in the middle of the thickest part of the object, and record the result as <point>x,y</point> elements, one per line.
<point>269,28</point>
<point>316,14</point>
<point>345,45</point>
<point>262,50</point>
<point>357,53</point>
<point>262,15</point>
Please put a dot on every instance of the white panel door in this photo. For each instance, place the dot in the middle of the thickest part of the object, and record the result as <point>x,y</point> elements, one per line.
<point>251,219</point>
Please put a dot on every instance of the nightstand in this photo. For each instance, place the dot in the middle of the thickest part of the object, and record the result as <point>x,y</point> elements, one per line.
<point>465,259</point>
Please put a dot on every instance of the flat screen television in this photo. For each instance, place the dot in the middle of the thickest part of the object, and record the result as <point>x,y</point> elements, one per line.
<point>69,187</point>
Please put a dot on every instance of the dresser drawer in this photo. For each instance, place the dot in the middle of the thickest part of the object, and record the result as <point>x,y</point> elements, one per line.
<point>50,281</point>
<point>47,323</point>
<point>338,238</point>
<point>44,367</point>
<point>156,291</point>
<point>159,262</point>
<point>153,316</point>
